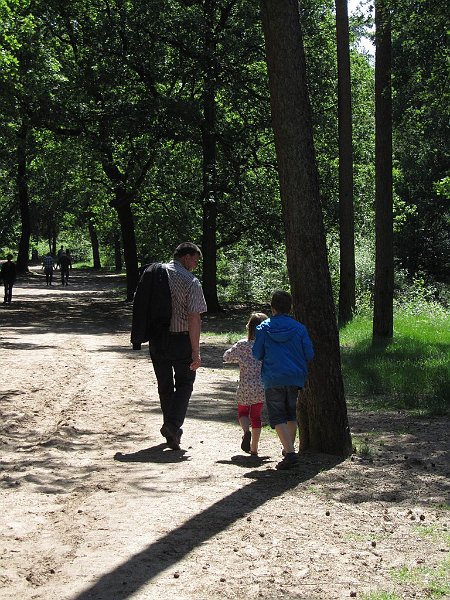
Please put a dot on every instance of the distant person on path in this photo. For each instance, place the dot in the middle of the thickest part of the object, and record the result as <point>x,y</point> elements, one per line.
<point>61,251</point>
<point>48,264</point>
<point>175,353</point>
<point>250,392</point>
<point>284,347</point>
<point>8,274</point>
<point>65,263</point>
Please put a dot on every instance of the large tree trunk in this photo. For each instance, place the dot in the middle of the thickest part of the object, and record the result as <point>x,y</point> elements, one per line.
<point>346,211</point>
<point>383,318</point>
<point>209,242</point>
<point>95,245</point>
<point>22,190</point>
<point>322,409</point>
<point>122,203</point>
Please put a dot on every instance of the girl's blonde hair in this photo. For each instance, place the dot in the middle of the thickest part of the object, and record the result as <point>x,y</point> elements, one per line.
<point>255,319</point>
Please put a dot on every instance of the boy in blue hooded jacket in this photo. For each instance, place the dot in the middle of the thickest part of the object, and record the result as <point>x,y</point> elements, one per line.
<point>284,347</point>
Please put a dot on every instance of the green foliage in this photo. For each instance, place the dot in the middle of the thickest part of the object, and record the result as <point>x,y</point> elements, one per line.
<point>363,125</point>
<point>364,271</point>
<point>420,296</point>
<point>411,373</point>
<point>421,111</point>
<point>362,447</point>
<point>249,274</point>
<point>112,98</point>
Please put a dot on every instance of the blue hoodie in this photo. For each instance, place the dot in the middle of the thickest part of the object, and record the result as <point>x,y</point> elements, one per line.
<point>284,347</point>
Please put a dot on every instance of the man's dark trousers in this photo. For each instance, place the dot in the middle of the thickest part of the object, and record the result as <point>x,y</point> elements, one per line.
<point>171,356</point>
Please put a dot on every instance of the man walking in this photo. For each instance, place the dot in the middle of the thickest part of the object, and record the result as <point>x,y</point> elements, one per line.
<point>176,356</point>
<point>48,264</point>
<point>65,263</point>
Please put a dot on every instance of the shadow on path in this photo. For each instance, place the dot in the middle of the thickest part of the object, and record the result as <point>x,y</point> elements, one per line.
<point>159,454</point>
<point>126,579</point>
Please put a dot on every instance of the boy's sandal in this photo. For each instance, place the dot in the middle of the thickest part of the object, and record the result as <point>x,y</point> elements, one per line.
<point>253,453</point>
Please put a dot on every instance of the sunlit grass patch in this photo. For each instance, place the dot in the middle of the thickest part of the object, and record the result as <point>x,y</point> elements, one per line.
<point>411,372</point>
<point>380,596</point>
<point>434,533</point>
<point>434,580</point>
<point>356,536</point>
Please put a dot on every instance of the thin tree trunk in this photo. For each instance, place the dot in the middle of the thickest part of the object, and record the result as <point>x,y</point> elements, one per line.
<point>95,245</point>
<point>22,190</point>
<point>123,207</point>
<point>322,410</point>
<point>209,242</point>
<point>383,318</point>
<point>346,210</point>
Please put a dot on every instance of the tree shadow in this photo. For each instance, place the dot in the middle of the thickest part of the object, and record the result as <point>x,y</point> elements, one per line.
<point>404,373</point>
<point>171,548</point>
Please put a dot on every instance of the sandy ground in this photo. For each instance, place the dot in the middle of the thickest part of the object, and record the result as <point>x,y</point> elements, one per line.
<point>94,506</point>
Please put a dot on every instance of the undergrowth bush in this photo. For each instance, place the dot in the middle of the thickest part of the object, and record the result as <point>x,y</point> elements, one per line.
<point>249,276</point>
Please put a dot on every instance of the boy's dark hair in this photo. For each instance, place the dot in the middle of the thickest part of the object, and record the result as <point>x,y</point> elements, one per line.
<point>187,248</point>
<point>255,319</point>
<point>9,256</point>
<point>281,301</point>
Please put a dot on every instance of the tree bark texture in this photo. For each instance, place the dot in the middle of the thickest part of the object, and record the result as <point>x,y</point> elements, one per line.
<point>22,191</point>
<point>209,241</point>
<point>346,210</point>
<point>383,319</point>
<point>322,409</point>
<point>95,245</point>
<point>122,201</point>
<point>123,206</point>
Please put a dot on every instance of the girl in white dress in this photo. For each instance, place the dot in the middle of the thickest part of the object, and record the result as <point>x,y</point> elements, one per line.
<point>250,392</point>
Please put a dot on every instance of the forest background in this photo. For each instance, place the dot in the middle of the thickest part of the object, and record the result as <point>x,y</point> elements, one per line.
<point>105,125</point>
<point>130,126</point>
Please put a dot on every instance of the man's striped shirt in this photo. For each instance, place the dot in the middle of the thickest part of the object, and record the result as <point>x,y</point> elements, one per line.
<point>187,295</point>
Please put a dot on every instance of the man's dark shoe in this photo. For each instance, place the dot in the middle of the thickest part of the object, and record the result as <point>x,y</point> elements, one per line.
<point>179,434</point>
<point>172,438</point>
<point>288,462</point>
<point>175,444</point>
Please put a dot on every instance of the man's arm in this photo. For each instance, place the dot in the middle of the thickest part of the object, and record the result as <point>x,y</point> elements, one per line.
<point>195,326</point>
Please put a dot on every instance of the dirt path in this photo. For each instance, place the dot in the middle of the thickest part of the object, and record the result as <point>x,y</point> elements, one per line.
<point>95,507</point>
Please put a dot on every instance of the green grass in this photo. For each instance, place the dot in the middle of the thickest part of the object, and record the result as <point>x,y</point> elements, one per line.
<point>380,596</point>
<point>362,447</point>
<point>434,533</point>
<point>412,372</point>
<point>434,580</point>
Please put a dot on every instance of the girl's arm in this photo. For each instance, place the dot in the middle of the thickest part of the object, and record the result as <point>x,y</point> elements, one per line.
<point>233,354</point>
<point>258,346</point>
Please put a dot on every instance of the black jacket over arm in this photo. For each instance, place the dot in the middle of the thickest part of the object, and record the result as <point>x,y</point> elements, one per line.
<point>152,305</point>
